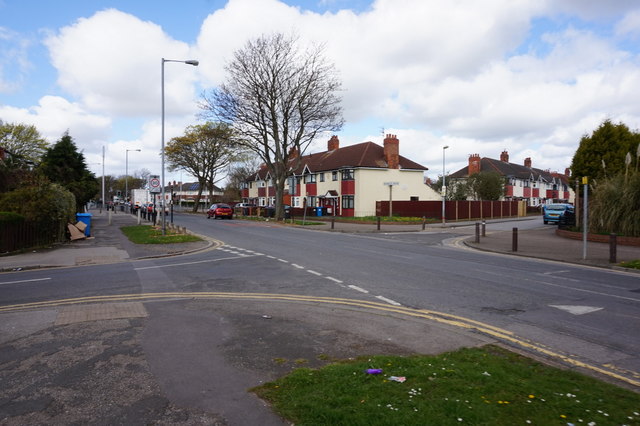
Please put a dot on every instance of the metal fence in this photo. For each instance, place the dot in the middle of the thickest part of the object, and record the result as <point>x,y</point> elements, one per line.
<point>28,234</point>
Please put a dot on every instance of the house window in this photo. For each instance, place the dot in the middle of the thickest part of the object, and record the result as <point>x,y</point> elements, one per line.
<point>262,184</point>
<point>347,201</point>
<point>347,174</point>
<point>309,178</point>
<point>334,175</point>
<point>321,177</point>
<point>250,185</point>
<point>311,201</point>
<point>295,201</point>
<point>262,201</point>
<point>412,198</point>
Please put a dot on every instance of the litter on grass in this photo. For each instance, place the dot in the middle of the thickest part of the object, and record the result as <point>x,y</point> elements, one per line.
<point>373,371</point>
<point>399,379</point>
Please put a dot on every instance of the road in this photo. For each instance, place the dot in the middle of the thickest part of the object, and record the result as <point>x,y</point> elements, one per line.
<point>586,314</point>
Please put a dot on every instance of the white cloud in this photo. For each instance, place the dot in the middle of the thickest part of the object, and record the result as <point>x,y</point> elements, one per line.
<point>629,25</point>
<point>14,62</point>
<point>53,116</point>
<point>111,61</point>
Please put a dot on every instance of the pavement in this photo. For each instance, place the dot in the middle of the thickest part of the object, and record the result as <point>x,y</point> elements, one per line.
<point>190,361</point>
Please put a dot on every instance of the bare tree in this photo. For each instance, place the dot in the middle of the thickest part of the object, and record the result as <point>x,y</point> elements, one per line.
<point>277,97</point>
<point>203,151</point>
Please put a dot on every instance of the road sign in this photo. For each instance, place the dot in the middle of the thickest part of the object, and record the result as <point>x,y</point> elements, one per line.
<point>391,183</point>
<point>154,184</point>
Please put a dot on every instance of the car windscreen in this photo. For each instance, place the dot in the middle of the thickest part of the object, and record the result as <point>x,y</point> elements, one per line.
<point>556,207</point>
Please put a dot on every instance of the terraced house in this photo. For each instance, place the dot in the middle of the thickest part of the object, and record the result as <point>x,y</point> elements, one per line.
<point>346,181</point>
<point>522,182</point>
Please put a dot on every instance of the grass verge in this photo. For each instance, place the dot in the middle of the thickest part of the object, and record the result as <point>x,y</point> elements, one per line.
<point>147,234</point>
<point>635,264</point>
<point>479,386</point>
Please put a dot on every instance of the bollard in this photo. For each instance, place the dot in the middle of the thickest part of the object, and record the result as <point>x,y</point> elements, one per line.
<point>424,222</point>
<point>333,223</point>
<point>109,217</point>
<point>613,247</point>
<point>477,232</point>
<point>378,218</point>
<point>484,228</point>
<point>138,216</point>
<point>514,240</point>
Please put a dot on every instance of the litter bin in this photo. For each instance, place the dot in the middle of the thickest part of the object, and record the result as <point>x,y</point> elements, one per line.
<point>86,219</point>
<point>318,211</point>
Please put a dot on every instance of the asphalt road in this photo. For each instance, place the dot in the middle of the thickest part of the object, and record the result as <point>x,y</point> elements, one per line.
<point>582,313</point>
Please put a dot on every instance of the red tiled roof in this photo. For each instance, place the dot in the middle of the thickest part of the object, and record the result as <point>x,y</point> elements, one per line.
<point>365,154</point>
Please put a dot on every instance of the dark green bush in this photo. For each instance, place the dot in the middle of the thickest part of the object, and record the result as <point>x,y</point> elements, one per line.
<point>11,217</point>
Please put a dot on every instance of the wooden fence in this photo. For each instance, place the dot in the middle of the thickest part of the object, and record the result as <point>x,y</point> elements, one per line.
<point>25,235</point>
<point>454,210</point>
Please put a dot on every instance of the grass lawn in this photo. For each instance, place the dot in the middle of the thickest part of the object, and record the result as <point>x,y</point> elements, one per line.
<point>478,386</point>
<point>631,264</point>
<point>147,234</point>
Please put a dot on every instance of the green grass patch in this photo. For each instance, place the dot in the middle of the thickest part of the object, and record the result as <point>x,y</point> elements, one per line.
<point>479,386</point>
<point>635,264</point>
<point>147,234</point>
<point>305,223</point>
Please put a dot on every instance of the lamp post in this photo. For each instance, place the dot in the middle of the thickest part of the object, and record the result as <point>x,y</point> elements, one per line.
<point>444,186</point>
<point>126,174</point>
<point>189,62</point>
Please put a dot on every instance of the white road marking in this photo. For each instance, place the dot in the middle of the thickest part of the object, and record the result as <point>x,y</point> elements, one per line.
<point>283,261</point>
<point>271,257</point>
<point>295,265</point>
<point>334,280</point>
<point>577,310</point>
<point>356,288</point>
<point>314,272</point>
<point>188,263</point>
<point>24,281</point>
<point>389,301</point>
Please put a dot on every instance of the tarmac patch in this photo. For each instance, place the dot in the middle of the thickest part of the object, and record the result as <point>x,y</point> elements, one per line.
<point>103,311</point>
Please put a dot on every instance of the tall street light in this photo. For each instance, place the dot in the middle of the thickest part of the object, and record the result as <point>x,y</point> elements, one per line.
<point>189,62</point>
<point>126,174</point>
<point>444,186</point>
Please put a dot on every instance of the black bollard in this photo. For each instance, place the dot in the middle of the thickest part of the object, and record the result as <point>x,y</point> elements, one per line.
<point>378,222</point>
<point>613,247</point>
<point>477,232</point>
<point>514,240</point>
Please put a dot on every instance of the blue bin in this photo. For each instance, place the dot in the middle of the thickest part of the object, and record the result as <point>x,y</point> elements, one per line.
<point>318,211</point>
<point>86,219</point>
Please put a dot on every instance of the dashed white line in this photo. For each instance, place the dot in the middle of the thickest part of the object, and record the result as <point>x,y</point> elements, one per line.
<point>271,257</point>
<point>334,280</point>
<point>389,301</point>
<point>314,272</point>
<point>25,281</point>
<point>283,261</point>
<point>295,265</point>
<point>356,288</point>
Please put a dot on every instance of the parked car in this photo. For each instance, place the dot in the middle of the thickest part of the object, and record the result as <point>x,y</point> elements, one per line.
<point>220,210</point>
<point>551,213</point>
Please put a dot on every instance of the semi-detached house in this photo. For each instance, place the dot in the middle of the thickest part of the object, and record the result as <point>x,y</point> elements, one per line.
<point>522,182</point>
<point>346,181</point>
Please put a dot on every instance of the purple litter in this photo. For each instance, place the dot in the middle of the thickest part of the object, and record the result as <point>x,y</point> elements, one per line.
<point>374,371</point>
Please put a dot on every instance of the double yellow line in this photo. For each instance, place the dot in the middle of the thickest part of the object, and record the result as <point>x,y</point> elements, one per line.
<point>632,378</point>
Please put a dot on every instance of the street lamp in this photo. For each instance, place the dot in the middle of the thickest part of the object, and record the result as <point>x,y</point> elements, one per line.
<point>189,62</point>
<point>126,174</point>
<point>444,186</point>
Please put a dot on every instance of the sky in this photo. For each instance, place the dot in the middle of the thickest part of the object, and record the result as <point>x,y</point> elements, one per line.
<point>480,76</point>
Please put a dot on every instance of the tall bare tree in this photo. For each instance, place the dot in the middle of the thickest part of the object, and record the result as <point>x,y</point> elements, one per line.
<point>203,151</point>
<point>277,97</point>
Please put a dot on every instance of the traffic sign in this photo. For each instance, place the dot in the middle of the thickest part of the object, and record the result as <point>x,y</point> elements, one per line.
<point>154,184</point>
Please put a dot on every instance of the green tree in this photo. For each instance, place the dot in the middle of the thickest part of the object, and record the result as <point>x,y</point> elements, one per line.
<point>277,98</point>
<point>486,186</point>
<point>63,164</point>
<point>23,146</point>
<point>204,151</point>
<point>23,142</point>
<point>603,153</point>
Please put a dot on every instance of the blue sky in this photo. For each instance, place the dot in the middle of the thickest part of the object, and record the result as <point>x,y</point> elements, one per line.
<point>530,76</point>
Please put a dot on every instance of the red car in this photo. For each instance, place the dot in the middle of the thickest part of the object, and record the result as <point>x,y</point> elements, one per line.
<point>220,210</point>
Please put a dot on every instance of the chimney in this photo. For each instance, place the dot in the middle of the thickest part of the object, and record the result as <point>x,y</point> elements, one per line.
<point>474,164</point>
<point>527,162</point>
<point>392,151</point>
<point>567,172</point>
<point>504,157</point>
<point>333,144</point>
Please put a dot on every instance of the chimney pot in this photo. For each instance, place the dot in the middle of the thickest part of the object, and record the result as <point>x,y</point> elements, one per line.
<point>333,144</point>
<point>527,162</point>
<point>392,151</point>
<point>504,157</point>
<point>474,164</point>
